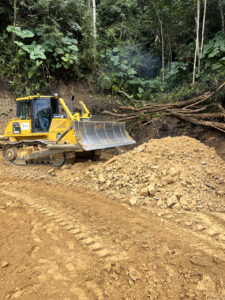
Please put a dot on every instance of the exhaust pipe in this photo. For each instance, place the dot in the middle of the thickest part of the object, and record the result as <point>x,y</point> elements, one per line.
<point>71,104</point>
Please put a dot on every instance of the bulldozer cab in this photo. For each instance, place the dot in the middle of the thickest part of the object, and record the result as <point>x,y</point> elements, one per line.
<point>40,110</point>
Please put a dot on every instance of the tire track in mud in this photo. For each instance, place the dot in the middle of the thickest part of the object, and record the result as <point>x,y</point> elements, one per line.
<point>214,225</point>
<point>217,217</point>
<point>81,233</point>
<point>210,226</point>
<point>209,239</point>
<point>59,269</point>
<point>208,229</point>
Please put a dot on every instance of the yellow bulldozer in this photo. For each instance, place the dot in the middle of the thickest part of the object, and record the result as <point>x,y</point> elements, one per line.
<point>45,129</point>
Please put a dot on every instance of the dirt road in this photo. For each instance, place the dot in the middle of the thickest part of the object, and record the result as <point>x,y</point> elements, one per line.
<point>61,241</point>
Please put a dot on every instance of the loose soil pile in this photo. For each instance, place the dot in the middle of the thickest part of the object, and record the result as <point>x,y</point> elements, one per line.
<point>178,172</point>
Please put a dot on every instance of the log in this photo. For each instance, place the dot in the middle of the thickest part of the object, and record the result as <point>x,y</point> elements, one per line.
<point>203,116</point>
<point>188,111</point>
<point>125,94</point>
<point>106,112</point>
<point>127,118</point>
<point>216,125</point>
<point>221,107</point>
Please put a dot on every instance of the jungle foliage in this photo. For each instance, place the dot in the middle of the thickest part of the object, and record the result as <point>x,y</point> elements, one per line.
<point>142,47</point>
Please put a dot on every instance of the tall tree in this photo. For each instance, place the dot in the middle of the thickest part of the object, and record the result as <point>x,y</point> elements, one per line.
<point>14,22</point>
<point>197,53</point>
<point>160,20</point>
<point>221,2</point>
<point>203,26</point>
<point>94,32</point>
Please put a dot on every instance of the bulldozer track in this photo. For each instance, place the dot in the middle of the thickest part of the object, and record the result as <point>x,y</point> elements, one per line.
<point>208,229</point>
<point>207,239</point>
<point>80,232</point>
<point>47,268</point>
<point>49,158</point>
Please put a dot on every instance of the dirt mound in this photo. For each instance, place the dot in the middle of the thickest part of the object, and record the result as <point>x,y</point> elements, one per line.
<point>178,172</point>
<point>172,127</point>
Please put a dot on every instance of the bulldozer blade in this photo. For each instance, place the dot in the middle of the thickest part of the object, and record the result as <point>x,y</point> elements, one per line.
<point>93,135</point>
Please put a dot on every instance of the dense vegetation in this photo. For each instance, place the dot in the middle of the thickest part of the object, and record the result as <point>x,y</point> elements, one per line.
<point>136,47</point>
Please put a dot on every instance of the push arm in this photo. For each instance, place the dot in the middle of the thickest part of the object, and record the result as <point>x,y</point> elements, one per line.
<point>61,101</point>
<point>86,113</point>
<point>76,116</point>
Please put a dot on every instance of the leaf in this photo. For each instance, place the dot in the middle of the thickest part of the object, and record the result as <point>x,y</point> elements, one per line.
<point>49,44</point>
<point>115,50</point>
<point>59,51</point>
<point>222,47</point>
<point>214,53</point>
<point>39,31</point>
<point>21,52</point>
<point>31,72</point>
<point>73,47</point>
<point>68,41</point>
<point>115,60</point>
<point>135,81</point>
<point>131,72</point>
<point>66,66</point>
<point>20,44</point>
<point>39,62</point>
<point>124,67</point>
<point>58,65</point>
<point>216,66</point>
<point>19,32</point>
<point>35,51</point>
<point>140,90</point>
<point>207,48</point>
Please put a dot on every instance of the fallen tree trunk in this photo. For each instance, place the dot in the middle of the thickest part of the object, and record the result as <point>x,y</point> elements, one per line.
<point>205,110</point>
<point>201,116</point>
<point>216,125</point>
<point>106,112</point>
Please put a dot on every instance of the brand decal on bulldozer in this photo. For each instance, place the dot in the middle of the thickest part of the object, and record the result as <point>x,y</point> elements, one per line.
<point>25,126</point>
<point>16,128</point>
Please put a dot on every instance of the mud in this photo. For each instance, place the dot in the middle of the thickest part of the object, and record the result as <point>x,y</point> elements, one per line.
<point>62,237</point>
